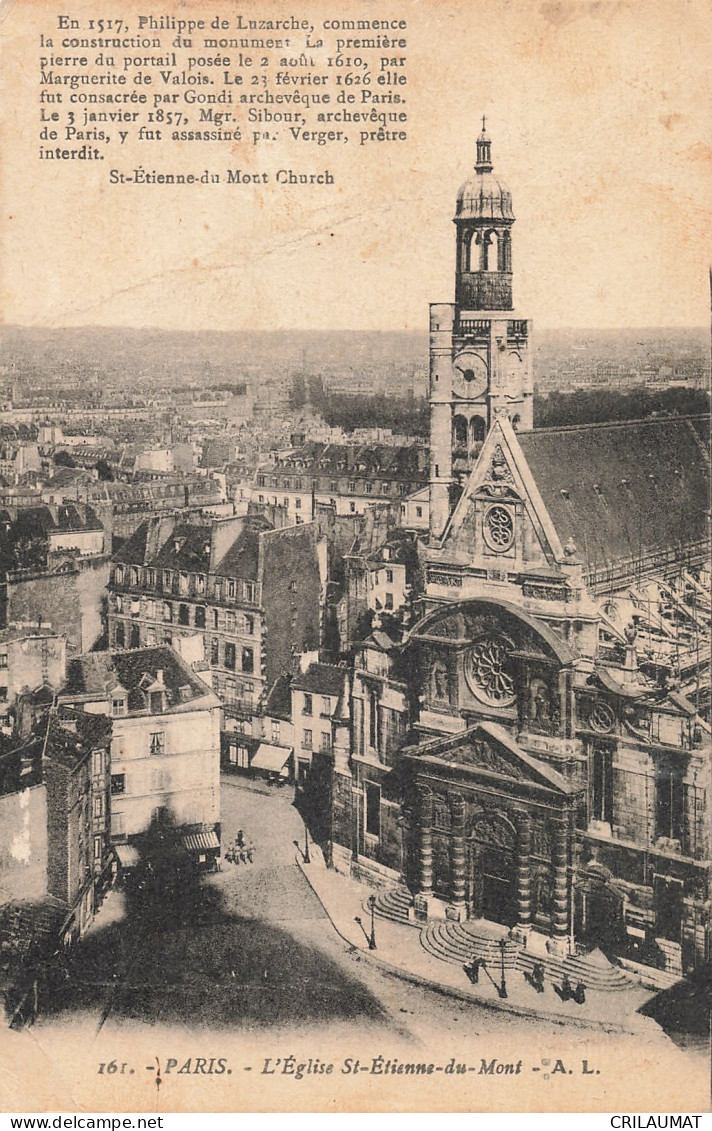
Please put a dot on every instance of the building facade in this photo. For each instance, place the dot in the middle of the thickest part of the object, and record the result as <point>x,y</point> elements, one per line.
<point>165,744</point>
<point>533,748</point>
<point>250,594</point>
<point>350,478</point>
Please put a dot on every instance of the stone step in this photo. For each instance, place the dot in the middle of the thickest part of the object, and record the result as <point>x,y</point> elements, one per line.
<point>459,943</point>
<point>394,904</point>
<point>454,943</point>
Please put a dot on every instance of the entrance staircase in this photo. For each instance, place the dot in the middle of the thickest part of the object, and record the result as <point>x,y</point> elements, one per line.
<point>459,943</point>
<point>395,905</point>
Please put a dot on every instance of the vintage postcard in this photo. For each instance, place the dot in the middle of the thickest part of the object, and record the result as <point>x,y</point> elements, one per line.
<point>355,748</point>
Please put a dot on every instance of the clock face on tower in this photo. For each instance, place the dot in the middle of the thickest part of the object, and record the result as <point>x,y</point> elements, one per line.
<point>469,376</point>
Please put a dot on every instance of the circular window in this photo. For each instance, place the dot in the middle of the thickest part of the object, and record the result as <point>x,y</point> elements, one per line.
<point>499,528</point>
<point>601,718</point>
<point>488,671</point>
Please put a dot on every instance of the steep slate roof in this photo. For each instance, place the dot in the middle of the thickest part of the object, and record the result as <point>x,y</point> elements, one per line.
<point>622,490</point>
<point>241,559</point>
<point>96,673</point>
<point>386,460</point>
<point>187,548</point>
<point>133,550</point>
<point>279,700</point>
<point>321,679</point>
<point>72,734</point>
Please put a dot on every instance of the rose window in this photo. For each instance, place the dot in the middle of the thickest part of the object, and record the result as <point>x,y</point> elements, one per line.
<point>488,671</point>
<point>601,718</point>
<point>499,528</point>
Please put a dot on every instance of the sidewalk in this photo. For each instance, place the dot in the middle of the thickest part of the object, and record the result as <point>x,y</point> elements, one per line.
<point>399,951</point>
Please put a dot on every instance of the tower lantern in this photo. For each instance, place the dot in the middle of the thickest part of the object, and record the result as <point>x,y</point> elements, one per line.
<point>480,360</point>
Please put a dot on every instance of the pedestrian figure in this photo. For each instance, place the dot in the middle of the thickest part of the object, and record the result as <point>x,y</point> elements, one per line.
<point>536,977</point>
<point>579,994</point>
<point>240,839</point>
<point>250,852</point>
<point>567,990</point>
<point>473,970</point>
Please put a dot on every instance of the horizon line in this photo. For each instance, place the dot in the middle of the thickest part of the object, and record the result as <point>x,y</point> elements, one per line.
<point>330,330</point>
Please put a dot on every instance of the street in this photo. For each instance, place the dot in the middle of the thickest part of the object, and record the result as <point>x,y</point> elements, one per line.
<point>245,966</point>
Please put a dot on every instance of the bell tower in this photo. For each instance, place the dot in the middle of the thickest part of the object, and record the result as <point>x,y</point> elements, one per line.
<point>480,359</point>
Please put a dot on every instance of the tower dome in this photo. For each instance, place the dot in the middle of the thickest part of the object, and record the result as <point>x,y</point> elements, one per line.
<point>484,196</point>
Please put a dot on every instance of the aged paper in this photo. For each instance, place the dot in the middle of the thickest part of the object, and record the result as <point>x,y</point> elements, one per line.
<point>185,205</point>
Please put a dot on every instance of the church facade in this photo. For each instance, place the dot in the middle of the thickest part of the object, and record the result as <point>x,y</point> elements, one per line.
<point>528,741</point>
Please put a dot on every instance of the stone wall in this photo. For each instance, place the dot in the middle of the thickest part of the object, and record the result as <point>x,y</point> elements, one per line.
<point>23,844</point>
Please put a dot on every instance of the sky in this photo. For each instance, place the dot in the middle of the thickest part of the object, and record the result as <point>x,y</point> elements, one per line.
<point>599,116</point>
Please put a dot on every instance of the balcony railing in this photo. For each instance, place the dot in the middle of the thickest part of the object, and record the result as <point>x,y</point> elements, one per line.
<point>473,327</point>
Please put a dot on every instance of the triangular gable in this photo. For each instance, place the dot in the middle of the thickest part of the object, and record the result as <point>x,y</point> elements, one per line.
<point>490,747</point>
<point>501,474</point>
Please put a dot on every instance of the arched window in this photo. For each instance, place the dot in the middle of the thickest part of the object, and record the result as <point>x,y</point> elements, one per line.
<point>492,252</point>
<point>506,243</point>
<point>468,250</point>
<point>477,430</point>
<point>516,421</point>
<point>459,431</point>
<point>373,721</point>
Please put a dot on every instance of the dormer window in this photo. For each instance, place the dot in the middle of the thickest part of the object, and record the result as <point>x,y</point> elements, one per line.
<point>157,702</point>
<point>118,705</point>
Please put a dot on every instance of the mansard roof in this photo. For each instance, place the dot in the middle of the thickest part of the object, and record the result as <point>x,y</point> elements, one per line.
<point>321,679</point>
<point>98,673</point>
<point>242,559</point>
<point>623,491</point>
<point>387,461</point>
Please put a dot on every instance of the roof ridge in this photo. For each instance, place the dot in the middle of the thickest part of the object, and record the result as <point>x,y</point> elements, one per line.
<point>663,418</point>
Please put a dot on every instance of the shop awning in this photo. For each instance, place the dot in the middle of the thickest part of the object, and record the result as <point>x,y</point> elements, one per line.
<point>201,842</point>
<point>128,855</point>
<point>270,757</point>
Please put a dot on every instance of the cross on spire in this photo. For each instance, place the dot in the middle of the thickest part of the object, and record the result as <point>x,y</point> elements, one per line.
<point>484,123</point>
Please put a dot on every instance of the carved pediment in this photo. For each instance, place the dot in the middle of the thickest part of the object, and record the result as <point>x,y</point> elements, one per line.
<point>477,753</point>
<point>490,748</point>
<point>498,480</point>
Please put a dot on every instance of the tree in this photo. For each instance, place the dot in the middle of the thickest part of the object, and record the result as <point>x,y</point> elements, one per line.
<point>63,459</point>
<point>104,471</point>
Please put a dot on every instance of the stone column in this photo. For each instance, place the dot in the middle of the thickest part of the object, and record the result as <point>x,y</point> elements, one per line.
<point>524,878</point>
<point>560,915</point>
<point>424,823</point>
<point>564,726</point>
<point>457,910</point>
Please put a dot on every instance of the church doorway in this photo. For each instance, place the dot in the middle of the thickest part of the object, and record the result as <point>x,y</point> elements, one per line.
<point>599,913</point>
<point>492,872</point>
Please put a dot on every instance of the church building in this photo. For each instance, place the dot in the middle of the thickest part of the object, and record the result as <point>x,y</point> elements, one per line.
<point>531,741</point>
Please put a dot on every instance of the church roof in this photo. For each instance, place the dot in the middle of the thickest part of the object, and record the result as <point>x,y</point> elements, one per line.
<point>623,491</point>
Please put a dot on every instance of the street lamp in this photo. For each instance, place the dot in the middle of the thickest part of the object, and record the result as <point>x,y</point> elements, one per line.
<point>357,919</point>
<point>372,909</point>
<point>304,851</point>
<point>502,990</point>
